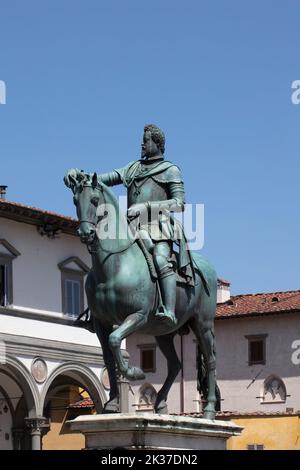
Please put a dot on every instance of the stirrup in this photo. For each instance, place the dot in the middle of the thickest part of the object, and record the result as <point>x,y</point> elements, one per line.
<point>163,314</point>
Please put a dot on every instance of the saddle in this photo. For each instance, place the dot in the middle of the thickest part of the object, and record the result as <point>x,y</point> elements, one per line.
<point>186,277</point>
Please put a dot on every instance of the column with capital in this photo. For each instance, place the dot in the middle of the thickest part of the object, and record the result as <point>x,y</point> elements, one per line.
<point>37,426</point>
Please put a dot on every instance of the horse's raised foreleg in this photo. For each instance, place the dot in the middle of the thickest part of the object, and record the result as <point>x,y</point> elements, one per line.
<point>113,404</point>
<point>206,339</point>
<point>166,345</point>
<point>131,324</point>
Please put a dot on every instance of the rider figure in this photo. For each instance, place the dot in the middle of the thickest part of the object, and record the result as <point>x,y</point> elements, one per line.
<point>155,186</point>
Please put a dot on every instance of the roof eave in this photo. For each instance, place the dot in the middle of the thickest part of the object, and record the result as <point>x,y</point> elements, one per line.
<point>37,217</point>
<point>256,314</point>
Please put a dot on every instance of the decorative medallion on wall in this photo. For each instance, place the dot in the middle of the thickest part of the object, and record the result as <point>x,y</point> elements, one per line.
<point>105,379</point>
<point>39,370</point>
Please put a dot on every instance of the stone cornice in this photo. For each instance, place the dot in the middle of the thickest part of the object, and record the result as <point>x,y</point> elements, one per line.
<point>17,345</point>
<point>31,315</point>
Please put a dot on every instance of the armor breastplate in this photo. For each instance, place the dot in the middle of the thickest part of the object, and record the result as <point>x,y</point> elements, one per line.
<point>146,190</point>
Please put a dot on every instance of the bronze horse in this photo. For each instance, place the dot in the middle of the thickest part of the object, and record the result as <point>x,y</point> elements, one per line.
<point>122,297</point>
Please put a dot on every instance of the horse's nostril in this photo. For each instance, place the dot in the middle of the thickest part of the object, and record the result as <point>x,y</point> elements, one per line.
<point>85,231</point>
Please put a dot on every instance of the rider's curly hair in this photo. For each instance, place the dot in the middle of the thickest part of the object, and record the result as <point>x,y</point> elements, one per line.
<point>157,135</point>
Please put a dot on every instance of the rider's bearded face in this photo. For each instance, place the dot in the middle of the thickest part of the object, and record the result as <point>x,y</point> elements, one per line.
<point>149,147</point>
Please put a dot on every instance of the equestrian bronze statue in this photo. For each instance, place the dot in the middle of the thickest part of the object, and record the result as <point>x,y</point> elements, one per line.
<point>138,282</point>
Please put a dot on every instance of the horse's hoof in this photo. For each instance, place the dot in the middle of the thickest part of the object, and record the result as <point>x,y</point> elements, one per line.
<point>209,415</point>
<point>112,406</point>
<point>134,373</point>
<point>161,408</point>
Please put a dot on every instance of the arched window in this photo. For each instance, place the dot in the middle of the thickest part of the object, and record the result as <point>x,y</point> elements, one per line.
<point>274,390</point>
<point>147,397</point>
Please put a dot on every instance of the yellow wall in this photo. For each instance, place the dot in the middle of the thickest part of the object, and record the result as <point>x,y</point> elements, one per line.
<point>56,441</point>
<point>58,438</point>
<point>274,432</point>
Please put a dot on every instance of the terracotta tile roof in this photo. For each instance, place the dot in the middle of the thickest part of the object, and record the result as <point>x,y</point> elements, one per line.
<point>259,304</point>
<point>36,216</point>
<point>84,403</point>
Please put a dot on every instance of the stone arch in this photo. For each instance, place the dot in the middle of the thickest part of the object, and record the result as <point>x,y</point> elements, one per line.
<point>22,376</point>
<point>84,376</point>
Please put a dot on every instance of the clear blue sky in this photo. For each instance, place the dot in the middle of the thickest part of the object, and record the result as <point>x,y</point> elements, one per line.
<point>83,77</point>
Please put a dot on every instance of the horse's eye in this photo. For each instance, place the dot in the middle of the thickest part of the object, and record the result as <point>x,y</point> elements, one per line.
<point>95,201</point>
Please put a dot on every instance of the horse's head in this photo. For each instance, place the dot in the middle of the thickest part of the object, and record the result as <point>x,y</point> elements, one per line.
<point>88,195</point>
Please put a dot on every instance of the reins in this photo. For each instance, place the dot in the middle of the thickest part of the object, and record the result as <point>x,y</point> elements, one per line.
<point>92,248</point>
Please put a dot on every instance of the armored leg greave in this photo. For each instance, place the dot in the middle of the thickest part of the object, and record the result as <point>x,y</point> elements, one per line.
<point>167,283</point>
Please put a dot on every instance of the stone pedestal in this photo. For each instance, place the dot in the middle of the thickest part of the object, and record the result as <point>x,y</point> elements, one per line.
<point>152,431</point>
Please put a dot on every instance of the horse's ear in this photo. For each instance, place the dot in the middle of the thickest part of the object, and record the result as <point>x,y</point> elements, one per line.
<point>94,180</point>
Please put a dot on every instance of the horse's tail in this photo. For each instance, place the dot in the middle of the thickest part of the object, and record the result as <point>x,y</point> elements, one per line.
<point>202,380</point>
<point>202,385</point>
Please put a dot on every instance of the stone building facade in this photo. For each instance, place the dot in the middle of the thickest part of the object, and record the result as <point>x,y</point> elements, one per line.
<point>45,362</point>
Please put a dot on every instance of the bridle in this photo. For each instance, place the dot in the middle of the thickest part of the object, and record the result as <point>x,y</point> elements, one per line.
<point>98,242</point>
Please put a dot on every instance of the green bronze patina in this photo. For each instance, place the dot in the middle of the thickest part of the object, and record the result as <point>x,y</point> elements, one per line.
<point>123,296</point>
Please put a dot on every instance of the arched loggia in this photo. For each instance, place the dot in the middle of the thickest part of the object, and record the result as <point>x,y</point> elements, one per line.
<point>84,377</point>
<point>26,398</point>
